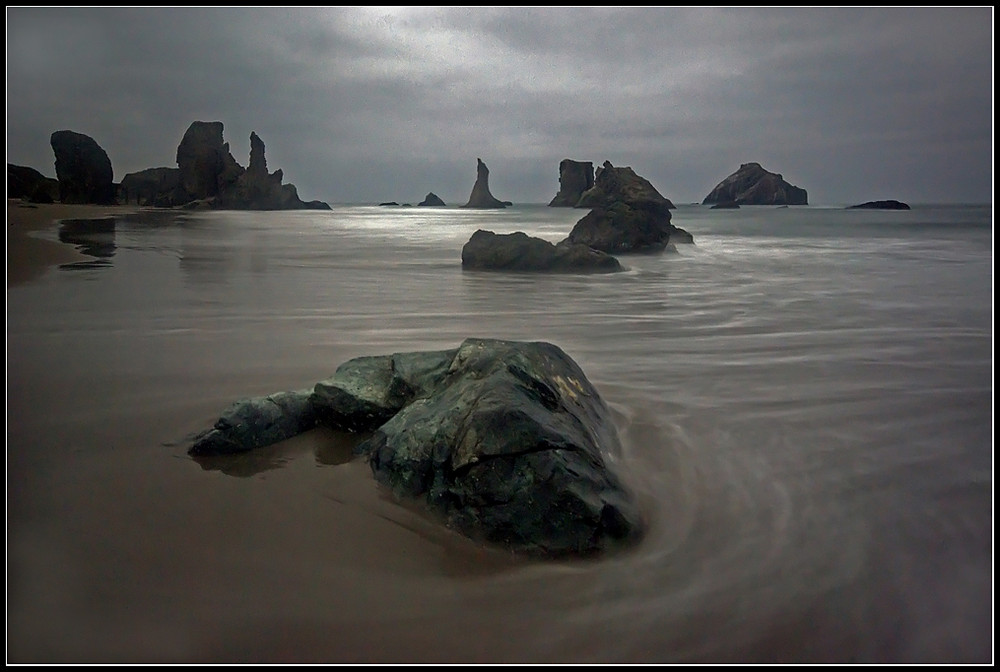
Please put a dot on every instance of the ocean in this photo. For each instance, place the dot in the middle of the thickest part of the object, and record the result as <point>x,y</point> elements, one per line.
<point>804,396</point>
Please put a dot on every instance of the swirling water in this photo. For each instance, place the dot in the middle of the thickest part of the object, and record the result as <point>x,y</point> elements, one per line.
<point>804,396</point>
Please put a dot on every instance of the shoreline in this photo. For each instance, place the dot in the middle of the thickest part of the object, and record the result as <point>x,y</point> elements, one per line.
<point>29,257</point>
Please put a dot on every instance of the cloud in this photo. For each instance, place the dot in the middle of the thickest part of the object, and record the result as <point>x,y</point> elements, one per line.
<point>388,103</point>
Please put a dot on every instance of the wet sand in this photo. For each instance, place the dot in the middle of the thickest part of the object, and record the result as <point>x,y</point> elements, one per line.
<point>817,464</point>
<point>30,257</point>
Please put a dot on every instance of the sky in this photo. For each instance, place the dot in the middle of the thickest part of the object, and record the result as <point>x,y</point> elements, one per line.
<point>372,104</point>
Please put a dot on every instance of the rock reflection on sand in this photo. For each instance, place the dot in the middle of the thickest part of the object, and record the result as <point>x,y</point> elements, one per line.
<point>93,237</point>
<point>329,448</point>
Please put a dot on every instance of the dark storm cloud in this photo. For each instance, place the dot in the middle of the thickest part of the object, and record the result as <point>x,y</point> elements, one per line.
<point>369,104</point>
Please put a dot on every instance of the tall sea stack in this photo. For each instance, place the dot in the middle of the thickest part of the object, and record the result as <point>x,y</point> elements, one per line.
<point>481,196</point>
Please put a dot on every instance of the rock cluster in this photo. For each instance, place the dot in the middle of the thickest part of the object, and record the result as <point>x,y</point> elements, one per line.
<point>207,176</point>
<point>628,215</point>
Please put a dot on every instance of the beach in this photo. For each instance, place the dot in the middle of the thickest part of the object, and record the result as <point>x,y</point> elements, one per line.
<point>30,256</point>
<point>803,396</point>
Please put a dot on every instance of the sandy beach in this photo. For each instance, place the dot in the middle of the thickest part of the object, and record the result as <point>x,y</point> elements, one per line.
<point>28,256</point>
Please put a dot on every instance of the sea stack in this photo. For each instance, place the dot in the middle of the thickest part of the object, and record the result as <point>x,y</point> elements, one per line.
<point>481,196</point>
<point>575,177</point>
<point>83,169</point>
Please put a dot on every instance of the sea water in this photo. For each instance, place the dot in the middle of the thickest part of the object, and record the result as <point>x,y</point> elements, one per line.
<point>805,398</point>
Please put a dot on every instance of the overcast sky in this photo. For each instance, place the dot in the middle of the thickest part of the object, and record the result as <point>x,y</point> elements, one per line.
<point>370,104</point>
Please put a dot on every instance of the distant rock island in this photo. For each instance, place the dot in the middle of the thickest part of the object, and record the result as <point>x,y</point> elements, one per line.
<point>881,205</point>
<point>432,199</point>
<point>752,185</point>
<point>481,196</point>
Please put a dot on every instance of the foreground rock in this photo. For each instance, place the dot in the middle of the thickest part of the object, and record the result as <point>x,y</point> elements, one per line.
<point>881,205</point>
<point>628,215</point>
<point>481,196</point>
<point>575,177</point>
<point>752,185</point>
<point>257,422</point>
<point>83,169</point>
<point>508,442</point>
<point>520,252</point>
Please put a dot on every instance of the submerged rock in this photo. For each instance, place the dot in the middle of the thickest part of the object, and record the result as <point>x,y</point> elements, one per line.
<point>881,205</point>
<point>520,252</point>
<point>506,441</point>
